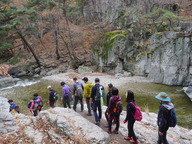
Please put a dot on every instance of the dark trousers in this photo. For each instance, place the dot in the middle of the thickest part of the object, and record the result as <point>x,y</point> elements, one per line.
<point>162,138</point>
<point>66,101</point>
<point>97,106</point>
<point>52,104</point>
<point>106,115</point>
<point>35,112</point>
<point>112,116</point>
<point>76,101</point>
<point>88,105</point>
<point>130,129</point>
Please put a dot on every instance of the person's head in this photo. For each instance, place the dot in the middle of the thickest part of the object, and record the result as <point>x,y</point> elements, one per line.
<point>49,87</point>
<point>163,97</point>
<point>75,79</point>
<point>115,91</point>
<point>110,86</point>
<point>62,83</point>
<point>35,94</point>
<point>85,79</point>
<point>129,96</point>
<point>10,101</point>
<point>97,80</point>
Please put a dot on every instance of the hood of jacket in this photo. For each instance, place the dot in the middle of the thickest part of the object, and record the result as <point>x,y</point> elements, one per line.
<point>116,98</point>
<point>168,105</point>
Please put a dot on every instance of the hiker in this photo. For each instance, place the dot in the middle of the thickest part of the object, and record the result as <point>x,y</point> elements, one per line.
<point>114,110</point>
<point>66,95</point>
<point>163,116</point>
<point>13,106</point>
<point>52,97</point>
<point>96,94</point>
<point>78,94</point>
<point>87,94</point>
<point>129,117</point>
<point>36,104</point>
<point>109,95</point>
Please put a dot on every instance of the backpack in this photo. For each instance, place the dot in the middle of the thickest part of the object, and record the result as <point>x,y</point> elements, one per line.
<point>38,103</point>
<point>172,121</point>
<point>55,96</point>
<point>79,90</point>
<point>99,93</point>
<point>29,103</point>
<point>118,107</point>
<point>137,114</point>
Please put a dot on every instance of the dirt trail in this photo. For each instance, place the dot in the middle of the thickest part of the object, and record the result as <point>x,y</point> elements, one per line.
<point>114,138</point>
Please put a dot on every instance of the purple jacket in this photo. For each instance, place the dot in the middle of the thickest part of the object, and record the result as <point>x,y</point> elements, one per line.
<point>66,91</point>
<point>112,103</point>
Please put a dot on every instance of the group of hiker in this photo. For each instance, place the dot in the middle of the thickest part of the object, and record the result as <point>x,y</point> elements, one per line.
<point>94,95</point>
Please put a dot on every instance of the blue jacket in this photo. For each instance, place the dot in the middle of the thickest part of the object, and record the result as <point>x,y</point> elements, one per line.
<point>12,106</point>
<point>51,96</point>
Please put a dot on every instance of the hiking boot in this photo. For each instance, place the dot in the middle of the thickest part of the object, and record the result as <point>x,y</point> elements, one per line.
<point>127,138</point>
<point>97,123</point>
<point>133,141</point>
<point>115,131</point>
<point>109,131</point>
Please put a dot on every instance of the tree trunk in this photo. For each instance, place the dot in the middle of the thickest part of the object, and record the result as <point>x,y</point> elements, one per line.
<point>29,46</point>
<point>57,43</point>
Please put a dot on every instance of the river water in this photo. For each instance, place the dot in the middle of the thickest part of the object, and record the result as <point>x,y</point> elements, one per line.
<point>144,95</point>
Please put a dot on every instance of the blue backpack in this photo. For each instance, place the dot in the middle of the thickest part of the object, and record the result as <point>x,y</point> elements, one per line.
<point>172,121</point>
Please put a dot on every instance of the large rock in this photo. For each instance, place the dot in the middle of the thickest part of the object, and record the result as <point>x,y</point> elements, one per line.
<point>75,126</point>
<point>170,61</point>
<point>188,91</point>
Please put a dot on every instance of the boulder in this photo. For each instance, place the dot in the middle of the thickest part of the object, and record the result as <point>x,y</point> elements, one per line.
<point>7,81</point>
<point>188,91</point>
<point>72,124</point>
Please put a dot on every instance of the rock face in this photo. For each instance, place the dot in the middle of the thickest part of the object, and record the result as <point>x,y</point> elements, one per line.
<point>167,56</point>
<point>170,62</point>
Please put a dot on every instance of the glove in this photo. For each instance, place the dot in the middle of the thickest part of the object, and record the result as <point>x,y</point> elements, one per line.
<point>124,121</point>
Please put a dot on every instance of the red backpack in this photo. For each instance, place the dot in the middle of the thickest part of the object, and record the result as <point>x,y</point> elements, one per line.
<point>138,114</point>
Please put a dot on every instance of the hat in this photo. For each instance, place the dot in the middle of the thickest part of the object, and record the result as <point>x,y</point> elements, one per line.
<point>85,79</point>
<point>163,96</point>
<point>49,87</point>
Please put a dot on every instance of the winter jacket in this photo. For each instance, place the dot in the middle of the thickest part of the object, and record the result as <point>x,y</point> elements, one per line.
<point>130,111</point>
<point>87,90</point>
<point>66,91</point>
<point>163,115</point>
<point>12,106</point>
<point>112,103</point>
<point>94,89</point>
<point>51,96</point>
<point>38,101</point>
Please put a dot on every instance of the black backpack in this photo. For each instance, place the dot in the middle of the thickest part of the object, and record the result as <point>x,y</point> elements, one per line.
<point>99,93</point>
<point>172,121</point>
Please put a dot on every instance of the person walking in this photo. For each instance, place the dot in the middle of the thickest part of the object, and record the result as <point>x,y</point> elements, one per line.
<point>129,117</point>
<point>114,110</point>
<point>109,95</point>
<point>87,94</point>
<point>66,95</point>
<point>36,104</point>
<point>78,94</point>
<point>52,94</point>
<point>13,107</point>
<point>163,116</point>
<point>96,94</point>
